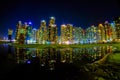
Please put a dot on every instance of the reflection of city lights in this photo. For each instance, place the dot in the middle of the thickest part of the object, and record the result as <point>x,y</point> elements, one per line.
<point>52,61</point>
<point>51,68</point>
<point>63,61</point>
<point>33,55</point>
<point>42,64</point>
<point>71,61</point>
<point>28,61</point>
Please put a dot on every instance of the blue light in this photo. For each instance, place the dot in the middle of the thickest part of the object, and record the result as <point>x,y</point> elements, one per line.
<point>30,23</point>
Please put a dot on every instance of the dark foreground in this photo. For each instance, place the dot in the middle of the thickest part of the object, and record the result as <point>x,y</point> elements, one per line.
<point>65,72</point>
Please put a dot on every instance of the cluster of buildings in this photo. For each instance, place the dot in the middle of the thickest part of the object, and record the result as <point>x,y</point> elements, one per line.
<point>69,34</point>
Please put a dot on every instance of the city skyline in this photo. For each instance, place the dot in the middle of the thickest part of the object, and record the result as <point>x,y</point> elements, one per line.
<point>69,34</point>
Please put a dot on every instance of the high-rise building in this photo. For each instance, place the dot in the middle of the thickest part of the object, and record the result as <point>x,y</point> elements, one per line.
<point>67,34</point>
<point>19,25</point>
<point>91,34</point>
<point>29,32</point>
<point>77,35</point>
<point>101,33</point>
<point>43,33</point>
<point>52,31</point>
<point>113,33</point>
<point>117,27</point>
<point>21,32</point>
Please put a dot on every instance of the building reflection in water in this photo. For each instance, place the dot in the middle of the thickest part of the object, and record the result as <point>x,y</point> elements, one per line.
<point>49,57</point>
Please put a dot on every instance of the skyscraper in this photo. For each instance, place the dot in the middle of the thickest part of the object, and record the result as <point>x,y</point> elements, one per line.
<point>43,33</point>
<point>67,34</point>
<point>52,31</point>
<point>77,35</point>
<point>117,27</point>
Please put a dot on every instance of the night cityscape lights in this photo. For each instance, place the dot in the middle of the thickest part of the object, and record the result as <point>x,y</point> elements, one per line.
<point>70,34</point>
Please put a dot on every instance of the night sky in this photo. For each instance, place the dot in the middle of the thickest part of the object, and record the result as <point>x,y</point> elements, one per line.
<point>77,12</point>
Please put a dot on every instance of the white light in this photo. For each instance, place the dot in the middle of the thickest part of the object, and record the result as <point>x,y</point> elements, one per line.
<point>43,21</point>
<point>52,17</point>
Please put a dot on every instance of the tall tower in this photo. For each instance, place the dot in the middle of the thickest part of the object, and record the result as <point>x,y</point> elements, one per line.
<point>52,31</point>
<point>17,33</point>
<point>63,34</point>
<point>43,32</point>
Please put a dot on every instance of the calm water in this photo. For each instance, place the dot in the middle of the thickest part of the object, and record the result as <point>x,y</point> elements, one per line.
<point>49,63</point>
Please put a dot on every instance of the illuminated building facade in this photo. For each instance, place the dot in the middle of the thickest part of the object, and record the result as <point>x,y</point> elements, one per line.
<point>101,33</point>
<point>91,36</point>
<point>117,27</point>
<point>34,37</point>
<point>21,32</point>
<point>67,34</point>
<point>52,31</point>
<point>77,35</point>
<point>113,33</point>
<point>29,33</point>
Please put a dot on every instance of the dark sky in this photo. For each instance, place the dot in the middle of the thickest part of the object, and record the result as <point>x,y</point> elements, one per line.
<point>77,12</point>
